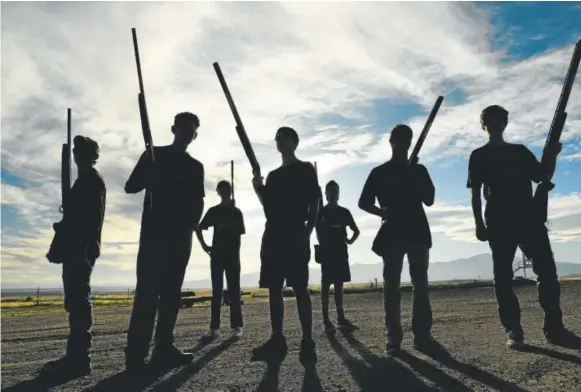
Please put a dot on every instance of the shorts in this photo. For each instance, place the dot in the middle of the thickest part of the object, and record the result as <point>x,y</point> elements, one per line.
<point>284,256</point>
<point>336,271</point>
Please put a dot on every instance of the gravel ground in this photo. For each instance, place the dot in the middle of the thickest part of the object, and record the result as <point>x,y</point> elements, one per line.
<point>465,322</point>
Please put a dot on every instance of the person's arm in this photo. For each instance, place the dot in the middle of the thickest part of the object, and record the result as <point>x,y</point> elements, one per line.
<point>314,197</point>
<point>198,207</point>
<point>259,187</point>
<point>475,184</point>
<point>138,180</point>
<point>368,196</point>
<point>426,190</point>
<point>241,226</point>
<point>353,226</point>
<point>90,214</point>
<point>205,224</point>
<point>319,227</point>
<point>537,171</point>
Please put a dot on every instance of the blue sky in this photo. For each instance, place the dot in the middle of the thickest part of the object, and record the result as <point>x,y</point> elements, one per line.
<point>339,77</point>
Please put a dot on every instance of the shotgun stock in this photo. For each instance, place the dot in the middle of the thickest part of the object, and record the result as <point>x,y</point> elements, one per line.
<point>541,196</point>
<point>57,250</point>
<point>239,126</point>
<point>143,113</point>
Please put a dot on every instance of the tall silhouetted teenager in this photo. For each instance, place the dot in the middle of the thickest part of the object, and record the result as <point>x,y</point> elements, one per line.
<point>83,222</point>
<point>228,224</point>
<point>332,236</point>
<point>510,220</point>
<point>290,199</point>
<point>176,181</point>
<point>401,191</point>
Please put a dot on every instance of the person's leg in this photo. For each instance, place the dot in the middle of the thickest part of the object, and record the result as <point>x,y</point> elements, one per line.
<point>276,305</point>
<point>418,260</point>
<point>217,275</point>
<point>338,294</point>
<point>233,279</point>
<point>305,310</point>
<point>307,354</point>
<point>177,257</point>
<point>503,250</point>
<point>77,290</point>
<point>275,348</point>
<point>325,288</point>
<point>145,302</point>
<point>537,247</point>
<point>392,266</point>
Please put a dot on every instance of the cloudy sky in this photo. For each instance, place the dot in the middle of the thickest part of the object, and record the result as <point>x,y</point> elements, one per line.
<point>341,74</point>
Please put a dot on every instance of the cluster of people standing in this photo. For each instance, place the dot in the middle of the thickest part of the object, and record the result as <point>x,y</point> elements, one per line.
<point>395,191</point>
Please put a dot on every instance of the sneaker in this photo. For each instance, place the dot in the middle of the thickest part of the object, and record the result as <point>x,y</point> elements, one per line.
<point>344,323</point>
<point>392,347</point>
<point>515,343</point>
<point>237,332</point>
<point>133,363</point>
<point>428,344</point>
<point>170,357</point>
<point>564,338</point>
<point>308,354</point>
<point>210,335</point>
<point>328,326</point>
<point>273,348</point>
<point>68,366</point>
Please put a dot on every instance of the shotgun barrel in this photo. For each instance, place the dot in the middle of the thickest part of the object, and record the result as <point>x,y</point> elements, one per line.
<point>239,125</point>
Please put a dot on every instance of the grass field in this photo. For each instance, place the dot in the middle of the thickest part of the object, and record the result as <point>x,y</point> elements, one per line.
<point>465,322</point>
<point>251,293</point>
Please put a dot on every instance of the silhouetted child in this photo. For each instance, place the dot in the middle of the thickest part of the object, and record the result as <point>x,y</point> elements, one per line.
<point>82,224</point>
<point>290,198</point>
<point>332,236</point>
<point>506,170</point>
<point>401,191</point>
<point>176,184</point>
<point>228,224</point>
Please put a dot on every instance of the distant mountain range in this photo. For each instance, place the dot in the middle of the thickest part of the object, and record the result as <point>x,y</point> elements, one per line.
<point>476,267</point>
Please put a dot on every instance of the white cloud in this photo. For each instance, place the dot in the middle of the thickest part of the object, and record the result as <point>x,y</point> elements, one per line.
<point>286,64</point>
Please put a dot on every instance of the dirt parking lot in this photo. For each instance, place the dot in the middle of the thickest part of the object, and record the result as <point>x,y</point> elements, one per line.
<point>465,322</point>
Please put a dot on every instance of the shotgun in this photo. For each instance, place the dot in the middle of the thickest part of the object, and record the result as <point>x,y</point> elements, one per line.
<point>239,126</point>
<point>143,114</point>
<point>420,142</point>
<point>57,250</point>
<point>541,196</point>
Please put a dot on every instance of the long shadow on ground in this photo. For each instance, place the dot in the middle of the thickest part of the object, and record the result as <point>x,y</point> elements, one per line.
<point>311,381</point>
<point>475,373</point>
<point>431,373</point>
<point>551,353</point>
<point>373,373</point>
<point>177,379</point>
<point>270,379</point>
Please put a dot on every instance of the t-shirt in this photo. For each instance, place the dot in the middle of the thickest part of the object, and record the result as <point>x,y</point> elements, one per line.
<point>288,193</point>
<point>398,187</point>
<point>332,227</point>
<point>179,192</point>
<point>85,212</point>
<point>507,170</point>
<point>228,224</point>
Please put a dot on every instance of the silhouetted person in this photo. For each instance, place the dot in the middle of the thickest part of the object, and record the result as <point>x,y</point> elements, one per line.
<point>83,222</point>
<point>401,191</point>
<point>332,236</point>
<point>290,198</point>
<point>228,224</point>
<point>510,220</point>
<point>176,181</point>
